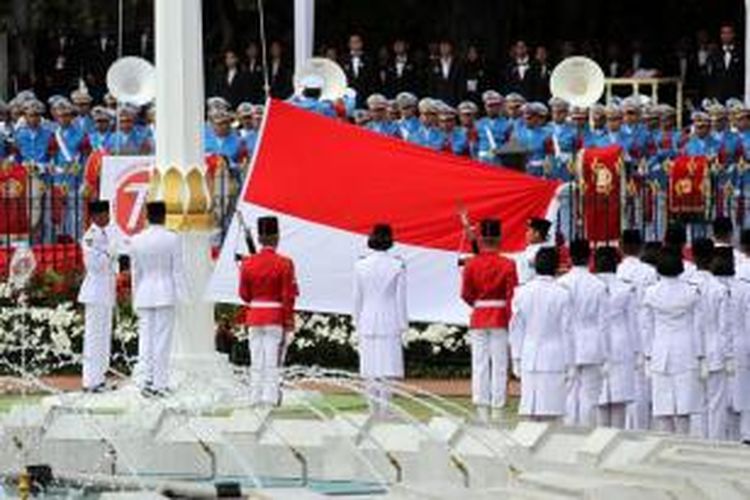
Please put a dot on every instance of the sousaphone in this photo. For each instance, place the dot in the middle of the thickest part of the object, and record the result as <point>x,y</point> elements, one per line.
<point>132,80</point>
<point>334,78</point>
<point>577,80</point>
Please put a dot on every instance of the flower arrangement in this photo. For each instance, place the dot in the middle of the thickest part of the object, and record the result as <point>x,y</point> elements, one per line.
<point>48,330</point>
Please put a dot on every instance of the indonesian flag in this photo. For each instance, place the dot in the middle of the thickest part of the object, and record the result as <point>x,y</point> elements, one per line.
<point>688,185</point>
<point>330,182</point>
<point>601,178</point>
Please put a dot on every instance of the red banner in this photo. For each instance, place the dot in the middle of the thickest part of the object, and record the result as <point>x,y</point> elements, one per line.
<point>688,185</point>
<point>14,201</point>
<point>601,171</point>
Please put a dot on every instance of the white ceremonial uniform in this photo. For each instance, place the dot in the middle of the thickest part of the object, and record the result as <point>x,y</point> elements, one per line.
<point>380,316</point>
<point>699,279</point>
<point>739,364</point>
<point>622,348</point>
<point>716,325</point>
<point>525,263</point>
<point>674,346</point>
<point>689,272</point>
<point>587,294</point>
<point>641,276</point>
<point>158,285</point>
<point>541,341</point>
<point>98,294</point>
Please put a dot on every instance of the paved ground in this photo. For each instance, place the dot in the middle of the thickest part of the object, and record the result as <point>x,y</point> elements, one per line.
<point>442,387</point>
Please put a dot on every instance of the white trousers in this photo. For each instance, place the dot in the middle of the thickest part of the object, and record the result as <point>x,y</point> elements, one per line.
<point>265,347</point>
<point>489,366</point>
<point>97,342</point>
<point>679,424</point>
<point>738,426</point>
<point>638,413</point>
<point>583,395</point>
<point>712,421</point>
<point>378,395</point>
<point>155,326</point>
<point>612,415</point>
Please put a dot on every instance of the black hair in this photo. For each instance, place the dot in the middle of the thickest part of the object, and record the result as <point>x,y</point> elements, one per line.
<point>703,253</point>
<point>546,261</point>
<point>580,252</point>
<point>605,260</point>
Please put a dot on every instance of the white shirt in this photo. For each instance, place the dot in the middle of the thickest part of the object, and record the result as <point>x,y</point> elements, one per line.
<point>158,274</point>
<point>672,339</point>
<point>99,245</point>
<point>525,262</point>
<point>541,336</point>
<point>231,73</point>
<point>522,65</point>
<point>380,296</point>
<point>356,64</point>
<point>445,67</point>
<point>620,325</point>
<point>715,321</point>
<point>587,294</point>
<point>727,55</point>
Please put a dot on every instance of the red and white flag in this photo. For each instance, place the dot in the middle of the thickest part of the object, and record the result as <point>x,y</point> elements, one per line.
<point>329,182</point>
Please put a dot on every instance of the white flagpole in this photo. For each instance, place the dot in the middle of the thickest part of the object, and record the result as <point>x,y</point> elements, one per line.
<point>304,34</point>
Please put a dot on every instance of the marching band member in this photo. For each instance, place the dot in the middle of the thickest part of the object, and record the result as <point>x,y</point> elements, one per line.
<point>541,340</point>
<point>640,275</point>
<point>408,125</point>
<point>587,308</point>
<point>268,287</point>
<point>32,140</point>
<point>221,139</point>
<point>673,345</point>
<point>493,130</point>
<point>99,137</point>
<point>533,136</point>
<point>82,101</point>
<point>98,295</point>
<point>377,105</point>
<point>380,316</point>
<point>454,138</point>
<point>159,283</point>
<point>467,119</point>
<point>489,280</point>
<point>622,344</point>
<point>129,140</point>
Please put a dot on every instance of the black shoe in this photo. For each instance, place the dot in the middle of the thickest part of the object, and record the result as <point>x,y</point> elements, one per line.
<point>746,442</point>
<point>97,389</point>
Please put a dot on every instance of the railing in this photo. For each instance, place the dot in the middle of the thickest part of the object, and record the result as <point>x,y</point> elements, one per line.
<point>52,220</point>
<point>654,84</point>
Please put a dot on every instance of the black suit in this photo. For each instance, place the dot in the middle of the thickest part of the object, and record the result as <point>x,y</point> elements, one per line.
<point>280,80</point>
<point>363,80</point>
<point>235,91</point>
<point>254,72</point>
<point>404,82</point>
<point>523,82</point>
<point>447,88</point>
<point>725,80</point>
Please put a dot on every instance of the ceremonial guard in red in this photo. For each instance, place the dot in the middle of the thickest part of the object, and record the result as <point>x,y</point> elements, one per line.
<point>488,283</point>
<point>269,289</point>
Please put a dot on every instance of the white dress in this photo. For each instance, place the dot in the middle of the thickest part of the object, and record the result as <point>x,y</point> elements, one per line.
<point>621,341</point>
<point>380,315</point>
<point>542,342</point>
<point>674,345</point>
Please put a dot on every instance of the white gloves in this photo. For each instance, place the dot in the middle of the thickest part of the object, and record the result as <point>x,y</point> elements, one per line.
<point>640,361</point>
<point>703,369</point>
<point>516,367</point>
<point>731,366</point>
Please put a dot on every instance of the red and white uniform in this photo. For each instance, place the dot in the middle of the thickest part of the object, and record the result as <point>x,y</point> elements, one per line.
<point>488,283</point>
<point>269,289</point>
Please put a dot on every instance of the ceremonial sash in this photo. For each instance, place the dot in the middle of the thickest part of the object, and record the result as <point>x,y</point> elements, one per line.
<point>600,173</point>
<point>67,155</point>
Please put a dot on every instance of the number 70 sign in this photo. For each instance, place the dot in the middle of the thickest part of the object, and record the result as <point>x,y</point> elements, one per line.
<point>130,200</point>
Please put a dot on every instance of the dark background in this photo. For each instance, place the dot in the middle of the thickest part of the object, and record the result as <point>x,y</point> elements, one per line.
<point>493,25</point>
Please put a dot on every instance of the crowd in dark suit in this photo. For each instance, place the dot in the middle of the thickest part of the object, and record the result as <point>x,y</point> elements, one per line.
<point>710,67</point>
